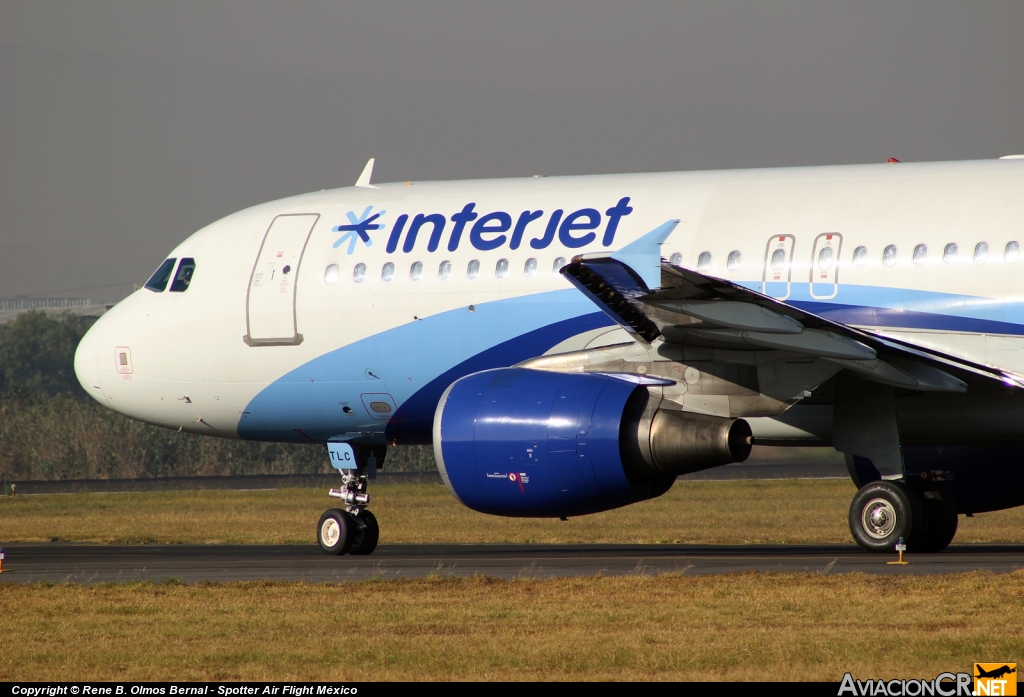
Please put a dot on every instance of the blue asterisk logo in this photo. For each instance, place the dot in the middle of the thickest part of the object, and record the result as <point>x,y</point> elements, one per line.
<point>358,229</point>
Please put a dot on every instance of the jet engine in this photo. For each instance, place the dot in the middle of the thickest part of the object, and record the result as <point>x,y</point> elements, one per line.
<point>538,444</point>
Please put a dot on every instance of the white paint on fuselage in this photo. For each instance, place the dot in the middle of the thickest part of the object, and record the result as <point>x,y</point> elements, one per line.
<point>192,370</point>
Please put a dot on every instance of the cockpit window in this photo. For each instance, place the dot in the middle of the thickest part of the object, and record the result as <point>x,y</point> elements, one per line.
<point>184,275</point>
<point>158,282</point>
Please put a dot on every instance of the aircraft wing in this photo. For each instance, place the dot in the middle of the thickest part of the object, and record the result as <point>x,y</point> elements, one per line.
<point>650,297</point>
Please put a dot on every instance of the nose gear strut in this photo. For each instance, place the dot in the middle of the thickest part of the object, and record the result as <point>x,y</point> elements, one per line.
<point>353,530</point>
<point>352,491</point>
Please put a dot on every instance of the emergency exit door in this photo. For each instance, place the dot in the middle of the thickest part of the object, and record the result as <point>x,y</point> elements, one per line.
<point>825,266</point>
<point>270,302</point>
<point>778,267</point>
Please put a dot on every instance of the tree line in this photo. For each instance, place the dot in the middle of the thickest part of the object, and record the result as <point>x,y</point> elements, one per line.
<point>50,428</point>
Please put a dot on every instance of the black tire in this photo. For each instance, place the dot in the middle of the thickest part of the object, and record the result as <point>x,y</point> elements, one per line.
<point>941,523</point>
<point>365,534</point>
<point>884,511</point>
<point>334,531</point>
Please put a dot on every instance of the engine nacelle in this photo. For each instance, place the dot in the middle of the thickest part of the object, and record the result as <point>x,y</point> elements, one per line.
<point>531,443</point>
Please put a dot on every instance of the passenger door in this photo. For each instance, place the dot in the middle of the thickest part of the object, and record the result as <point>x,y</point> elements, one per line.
<point>778,267</point>
<point>270,301</point>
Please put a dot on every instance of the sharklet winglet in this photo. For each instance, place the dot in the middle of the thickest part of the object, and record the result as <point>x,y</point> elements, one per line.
<point>644,255</point>
<point>364,178</point>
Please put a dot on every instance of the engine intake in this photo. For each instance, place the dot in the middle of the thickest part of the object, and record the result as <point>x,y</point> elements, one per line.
<point>530,443</point>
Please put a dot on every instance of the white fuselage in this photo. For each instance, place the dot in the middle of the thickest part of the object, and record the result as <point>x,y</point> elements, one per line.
<point>311,354</point>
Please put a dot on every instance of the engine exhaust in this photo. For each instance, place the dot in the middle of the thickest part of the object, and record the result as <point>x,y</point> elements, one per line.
<point>683,442</point>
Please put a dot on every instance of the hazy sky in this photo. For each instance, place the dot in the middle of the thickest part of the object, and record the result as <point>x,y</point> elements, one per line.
<point>126,126</point>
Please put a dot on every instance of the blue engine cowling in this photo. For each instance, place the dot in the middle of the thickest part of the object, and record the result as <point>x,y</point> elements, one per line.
<point>530,443</point>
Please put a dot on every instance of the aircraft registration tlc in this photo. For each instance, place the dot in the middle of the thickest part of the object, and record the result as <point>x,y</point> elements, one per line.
<point>573,344</point>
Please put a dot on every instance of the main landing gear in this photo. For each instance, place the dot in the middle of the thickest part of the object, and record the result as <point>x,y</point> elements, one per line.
<point>884,511</point>
<point>353,529</point>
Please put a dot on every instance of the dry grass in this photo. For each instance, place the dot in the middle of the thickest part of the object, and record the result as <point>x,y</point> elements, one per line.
<point>789,511</point>
<point>745,627</point>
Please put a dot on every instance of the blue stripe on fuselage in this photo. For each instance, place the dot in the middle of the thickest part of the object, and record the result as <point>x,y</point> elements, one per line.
<point>901,308</point>
<point>413,363</point>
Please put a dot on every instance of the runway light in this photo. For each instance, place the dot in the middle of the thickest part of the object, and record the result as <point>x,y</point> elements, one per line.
<point>1,559</point>
<point>901,548</point>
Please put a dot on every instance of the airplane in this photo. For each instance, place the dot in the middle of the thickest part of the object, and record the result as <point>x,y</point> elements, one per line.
<point>995,672</point>
<point>573,344</point>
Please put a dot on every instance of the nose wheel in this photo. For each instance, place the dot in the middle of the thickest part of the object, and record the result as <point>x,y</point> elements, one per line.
<point>365,534</point>
<point>340,532</point>
<point>334,531</point>
<point>352,529</point>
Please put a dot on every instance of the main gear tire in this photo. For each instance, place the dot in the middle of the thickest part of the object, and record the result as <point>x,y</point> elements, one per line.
<point>884,511</point>
<point>941,523</point>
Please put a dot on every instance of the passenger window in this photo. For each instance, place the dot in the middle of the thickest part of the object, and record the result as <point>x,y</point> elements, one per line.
<point>1012,252</point>
<point>889,255</point>
<point>860,257</point>
<point>184,276</point>
<point>331,274</point>
<point>949,253</point>
<point>676,259</point>
<point>158,281</point>
<point>733,262</point>
<point>473,270</point>
<point>388,272</point>
<point>704,261</point>
<point>530,270</point>
<point>416,271</point>
<point>981,253</point>
<point>825,258</point>
<point>557,266</point>
<point>501,268</point>
<point>920,254</point>
<point>444,271</point>
<point>359,273</point>
<point>779,259</point>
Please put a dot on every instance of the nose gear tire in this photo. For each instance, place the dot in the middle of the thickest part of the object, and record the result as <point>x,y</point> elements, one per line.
<point>365,534</point>
<point>334,531</point>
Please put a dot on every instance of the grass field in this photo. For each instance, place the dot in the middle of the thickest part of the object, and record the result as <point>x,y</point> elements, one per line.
<point>786,511</point>
<point>735,627</point>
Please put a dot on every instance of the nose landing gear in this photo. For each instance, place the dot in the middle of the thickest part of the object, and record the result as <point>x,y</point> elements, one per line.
<point>352,530</point>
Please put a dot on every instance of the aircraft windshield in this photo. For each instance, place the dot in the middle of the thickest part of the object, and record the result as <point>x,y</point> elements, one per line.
<point>184,275</point>
<point>158,282</point>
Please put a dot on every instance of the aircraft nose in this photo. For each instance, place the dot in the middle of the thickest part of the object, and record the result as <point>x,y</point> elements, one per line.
<point>86,368</point>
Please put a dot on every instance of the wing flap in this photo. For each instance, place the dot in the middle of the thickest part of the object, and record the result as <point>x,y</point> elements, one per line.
<point>813,342</point>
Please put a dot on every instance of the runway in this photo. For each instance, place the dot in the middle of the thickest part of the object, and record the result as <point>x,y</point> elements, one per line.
<point>80,563</point>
